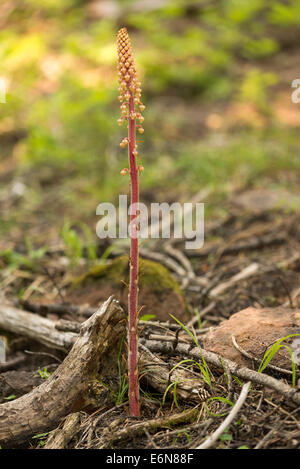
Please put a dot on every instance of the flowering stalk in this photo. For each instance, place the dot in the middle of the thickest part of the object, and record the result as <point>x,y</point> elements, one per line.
<point>131,105</point>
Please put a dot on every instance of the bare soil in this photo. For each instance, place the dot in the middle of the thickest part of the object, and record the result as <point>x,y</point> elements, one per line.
<point>269,237</point>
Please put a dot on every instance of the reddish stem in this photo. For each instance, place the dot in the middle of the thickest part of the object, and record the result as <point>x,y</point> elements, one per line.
<point>134,257</point>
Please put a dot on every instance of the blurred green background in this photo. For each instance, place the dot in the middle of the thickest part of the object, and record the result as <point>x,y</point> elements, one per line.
<point>216,81</point>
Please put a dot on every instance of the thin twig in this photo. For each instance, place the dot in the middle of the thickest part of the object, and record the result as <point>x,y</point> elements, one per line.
<point>139,428</point>
<point>255,243</point>
<point>164,260</point>
<point>295,293</point>
<point>201,314</point>
<point>13,363</point>
<point>229,419</point>
<point>44,354</point>
<point>249,271</point>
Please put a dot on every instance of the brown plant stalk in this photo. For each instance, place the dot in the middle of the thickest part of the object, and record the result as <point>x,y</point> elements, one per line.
<point>131,105</point>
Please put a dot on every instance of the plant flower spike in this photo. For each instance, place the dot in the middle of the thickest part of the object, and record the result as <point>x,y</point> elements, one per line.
<point>131,105</point>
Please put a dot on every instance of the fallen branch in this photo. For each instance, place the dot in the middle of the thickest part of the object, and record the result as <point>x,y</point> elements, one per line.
<point>60,309</point>
<point>249,271</point>
<point>252,244</point>
<point>165,260</point>
<point>154,370</point>
<point>34,327</point>
<point>68,387</point>
<point>241,372</point>
<point>294,295</point>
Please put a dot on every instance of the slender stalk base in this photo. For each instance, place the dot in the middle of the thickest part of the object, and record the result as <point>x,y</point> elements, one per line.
<point>133,285</point>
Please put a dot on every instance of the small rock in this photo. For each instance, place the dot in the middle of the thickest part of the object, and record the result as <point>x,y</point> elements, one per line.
<point>255,330</point>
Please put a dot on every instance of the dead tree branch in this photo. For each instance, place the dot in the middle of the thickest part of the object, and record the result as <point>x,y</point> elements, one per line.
<point>35,327</point>
<point>67,388</point>
<point>241,372</point>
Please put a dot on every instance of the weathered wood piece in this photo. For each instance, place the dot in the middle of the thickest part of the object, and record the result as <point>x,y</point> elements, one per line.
<point>154,370</point>
<point>35,327</point>
<point>188,387</point>
<point>60,437</point>
<point>67,388</point>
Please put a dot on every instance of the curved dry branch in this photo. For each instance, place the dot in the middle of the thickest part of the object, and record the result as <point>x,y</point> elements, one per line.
<point>67,389</point>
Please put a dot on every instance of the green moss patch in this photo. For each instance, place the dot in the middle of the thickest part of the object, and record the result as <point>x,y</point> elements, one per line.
<point>151,274</point>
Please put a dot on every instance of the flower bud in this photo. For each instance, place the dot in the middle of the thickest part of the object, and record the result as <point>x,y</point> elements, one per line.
<point>124,143</point>
<point>127,72</point>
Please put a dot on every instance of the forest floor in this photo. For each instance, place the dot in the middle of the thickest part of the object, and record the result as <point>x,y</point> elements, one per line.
<point>238,155</point>
<point>261,228</point>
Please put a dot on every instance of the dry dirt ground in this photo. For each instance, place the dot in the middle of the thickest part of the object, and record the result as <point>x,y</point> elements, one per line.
<point>259,231</point>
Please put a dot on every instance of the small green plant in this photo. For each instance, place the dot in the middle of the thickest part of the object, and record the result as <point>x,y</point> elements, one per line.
<point>118,396</point>
<point>78,246</point>
<point>203,367</point>
<point>91,247</point>
<point>28,260</point>
<point>221,399</point>
<point>226,437</point>
<point>273,350</point>
<point>10,398</point>
<point>44,374</point>
<point>123,383</point>
<point>73,243</point>
<point>201,323</point>
<point>180,433</point>
<point>107,253</point>
<point>147,317</point>
<point>174,386</point>
<point>41,437</point>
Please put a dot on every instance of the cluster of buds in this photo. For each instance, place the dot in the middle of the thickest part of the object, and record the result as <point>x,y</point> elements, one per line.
<point>124,142</point>
<point>130,87</point>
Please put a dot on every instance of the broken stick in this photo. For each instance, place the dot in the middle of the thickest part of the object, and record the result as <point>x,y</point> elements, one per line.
<point>34,327</point>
